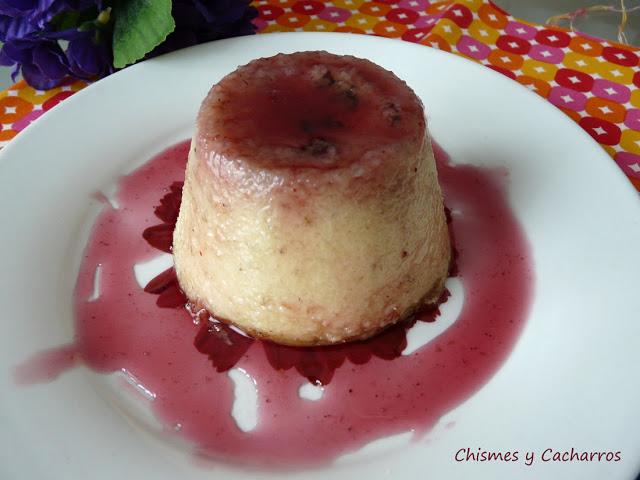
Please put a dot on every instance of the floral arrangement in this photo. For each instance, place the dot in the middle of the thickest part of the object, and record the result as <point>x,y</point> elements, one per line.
<point>50,40</point>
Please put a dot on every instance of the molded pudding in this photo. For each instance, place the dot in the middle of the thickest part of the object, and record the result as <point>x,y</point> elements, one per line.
<point>311,212</point>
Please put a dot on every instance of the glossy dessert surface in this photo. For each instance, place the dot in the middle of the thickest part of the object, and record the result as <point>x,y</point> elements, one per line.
<point>308,109</point>
<point>311,211</point>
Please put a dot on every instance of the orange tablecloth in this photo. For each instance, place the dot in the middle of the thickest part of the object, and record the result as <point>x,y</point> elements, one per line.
<point>594,81</point>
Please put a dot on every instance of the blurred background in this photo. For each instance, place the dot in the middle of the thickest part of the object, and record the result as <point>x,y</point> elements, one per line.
<point>600,24</point>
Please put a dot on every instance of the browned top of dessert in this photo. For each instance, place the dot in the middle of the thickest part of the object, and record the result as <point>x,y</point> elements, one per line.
<point>308,109</point>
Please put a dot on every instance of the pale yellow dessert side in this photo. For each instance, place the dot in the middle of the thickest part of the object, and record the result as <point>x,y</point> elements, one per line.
<point>303,262</point>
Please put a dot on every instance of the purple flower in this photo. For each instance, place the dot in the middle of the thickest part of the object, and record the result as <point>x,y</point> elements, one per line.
<point>88,52</point>
<point>43,63</point>
<point>199,21</point>
<point>48,40</point>
<point>89,58</point>
<point>19,18</point>
<point>32,41</point>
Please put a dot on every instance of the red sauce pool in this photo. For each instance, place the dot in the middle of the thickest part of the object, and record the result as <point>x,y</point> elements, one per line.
<point>371,393</point>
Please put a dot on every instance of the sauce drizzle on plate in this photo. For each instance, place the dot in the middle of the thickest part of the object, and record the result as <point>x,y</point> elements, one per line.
<point>364,399</point>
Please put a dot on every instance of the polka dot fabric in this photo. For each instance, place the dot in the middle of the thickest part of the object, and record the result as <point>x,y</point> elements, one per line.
<point>593,81</point>
<point>20,105</point>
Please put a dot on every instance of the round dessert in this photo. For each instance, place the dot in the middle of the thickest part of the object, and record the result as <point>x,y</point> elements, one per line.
<point>311,212</point>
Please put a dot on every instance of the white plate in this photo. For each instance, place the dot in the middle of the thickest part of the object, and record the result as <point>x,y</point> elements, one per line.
<point>571,381</point>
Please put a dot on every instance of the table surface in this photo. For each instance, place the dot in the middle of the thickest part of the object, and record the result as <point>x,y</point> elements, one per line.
<point>538,11</point>
<point>593,81</point>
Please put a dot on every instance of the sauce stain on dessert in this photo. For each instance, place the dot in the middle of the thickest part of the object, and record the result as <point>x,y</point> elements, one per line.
<point>309,175</point>
<point>372,392</point>
<point>324,104</point>
<point>225,346</point>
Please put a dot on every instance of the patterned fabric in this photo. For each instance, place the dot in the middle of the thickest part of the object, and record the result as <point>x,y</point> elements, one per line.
<point>595,82</point>
<point>20,105</point>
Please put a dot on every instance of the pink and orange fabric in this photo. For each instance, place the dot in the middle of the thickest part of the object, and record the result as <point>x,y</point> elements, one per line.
<point>595,82</point>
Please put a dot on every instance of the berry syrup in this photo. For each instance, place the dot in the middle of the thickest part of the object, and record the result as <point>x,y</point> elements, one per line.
<point>370,389</point>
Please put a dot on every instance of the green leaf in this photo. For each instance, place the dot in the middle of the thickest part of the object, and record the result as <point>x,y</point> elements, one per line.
<point>71,19</point>
<point>139,27</point>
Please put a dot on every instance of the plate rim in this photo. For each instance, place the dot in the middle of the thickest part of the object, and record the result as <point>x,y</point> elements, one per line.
<point>50,116</point>
<point>7,151</point>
